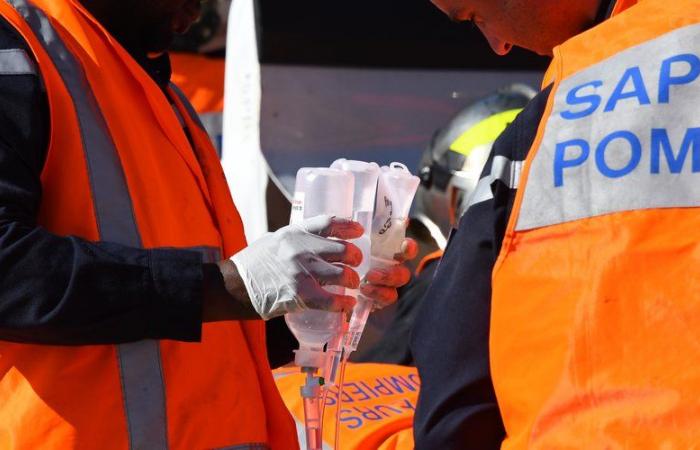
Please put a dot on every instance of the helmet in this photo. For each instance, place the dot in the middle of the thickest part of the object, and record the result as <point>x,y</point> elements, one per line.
<point>452,164</point>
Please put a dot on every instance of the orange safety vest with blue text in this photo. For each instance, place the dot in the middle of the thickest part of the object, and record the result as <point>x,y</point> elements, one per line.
<point>595,318</point>
<point>377,406</point>
<point>120,168</point>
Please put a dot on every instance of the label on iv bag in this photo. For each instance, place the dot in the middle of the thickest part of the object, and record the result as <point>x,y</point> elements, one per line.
<point>297,208</point>
<point>388,232</point>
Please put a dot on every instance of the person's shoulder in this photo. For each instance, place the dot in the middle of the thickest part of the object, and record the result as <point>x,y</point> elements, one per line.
<point>515,142</point>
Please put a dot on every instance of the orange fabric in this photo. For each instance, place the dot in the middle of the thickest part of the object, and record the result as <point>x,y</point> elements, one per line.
<point>377,407</point>
<point>594,321</point>
<point>428,259</point>
<point>201,78</point>
<point>218,392</point>
<point>552,70</point>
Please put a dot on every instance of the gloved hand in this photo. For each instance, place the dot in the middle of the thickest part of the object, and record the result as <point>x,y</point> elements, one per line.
<point>381,285</point>
<point>285,271</point>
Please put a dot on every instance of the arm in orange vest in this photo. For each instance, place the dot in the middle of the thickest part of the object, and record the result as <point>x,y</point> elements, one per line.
<point>64,290</point>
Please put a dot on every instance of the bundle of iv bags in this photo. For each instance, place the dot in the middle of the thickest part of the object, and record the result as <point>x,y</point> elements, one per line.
<point>380,200</point>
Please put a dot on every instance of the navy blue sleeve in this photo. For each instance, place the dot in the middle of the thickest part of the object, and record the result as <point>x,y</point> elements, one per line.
<point>65,290</point>
<point>457,407</point>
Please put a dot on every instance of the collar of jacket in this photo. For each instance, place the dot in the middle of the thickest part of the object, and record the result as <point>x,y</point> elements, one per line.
<point>604,11</point>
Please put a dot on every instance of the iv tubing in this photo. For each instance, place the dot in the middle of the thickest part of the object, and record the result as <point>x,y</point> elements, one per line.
<point>313,420</point>
<point>339,401</point>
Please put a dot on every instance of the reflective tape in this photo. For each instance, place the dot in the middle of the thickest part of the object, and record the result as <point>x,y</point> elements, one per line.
<point>210,123</point>
<point>623,135</point>
<point>139,362</point>
<point>15,61</point>
<point>188,106</point>
<point>214,125</point>
<point>484,132</point>
<point>209,254</point>
<point>143,391</point>
<point>502,169</point>
<point>111,197</point>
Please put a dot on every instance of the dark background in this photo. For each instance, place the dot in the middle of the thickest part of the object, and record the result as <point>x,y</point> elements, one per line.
<point>376,33</point>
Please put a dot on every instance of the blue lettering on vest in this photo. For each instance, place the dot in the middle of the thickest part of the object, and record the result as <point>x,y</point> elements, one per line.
<point>399,384</point>
<point>349,420</point>
<point>635,157</point>
<point>592,100</point>
<point>561,163</point>
<point>660,141</point>
<point>666,79</point>
<point>639,90</point>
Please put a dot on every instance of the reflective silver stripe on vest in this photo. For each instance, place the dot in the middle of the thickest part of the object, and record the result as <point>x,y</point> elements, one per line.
<point>502,169</point>
<point>144,394</point>
<point>139,362</point>
<point>188,106</point>
<point>209,254</point>
<point>15,61</point>
<point>111,196</point>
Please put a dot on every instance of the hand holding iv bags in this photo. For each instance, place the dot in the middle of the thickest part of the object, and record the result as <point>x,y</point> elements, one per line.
<point>349,190</point>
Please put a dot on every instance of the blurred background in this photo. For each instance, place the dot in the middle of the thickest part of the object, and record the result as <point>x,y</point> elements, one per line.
<point>367,79</point>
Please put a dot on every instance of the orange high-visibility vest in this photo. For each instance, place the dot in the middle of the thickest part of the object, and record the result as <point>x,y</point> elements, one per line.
<point>595,325</point>
<point>376,407</point>
<point>201,79</point>
<point>120,168</point>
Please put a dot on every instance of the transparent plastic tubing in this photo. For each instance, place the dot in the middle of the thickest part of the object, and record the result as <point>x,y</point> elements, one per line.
<point>339,402</point>
<point>313,412</point>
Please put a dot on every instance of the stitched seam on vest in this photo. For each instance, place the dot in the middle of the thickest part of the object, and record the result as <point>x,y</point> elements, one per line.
<point>15,61</point>
<point>101,155</point>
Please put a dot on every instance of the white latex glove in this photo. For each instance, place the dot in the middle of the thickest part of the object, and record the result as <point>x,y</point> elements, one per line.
<point>285,271</point>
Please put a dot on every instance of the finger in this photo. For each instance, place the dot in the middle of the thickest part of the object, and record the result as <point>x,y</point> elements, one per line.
<point>349,254</point>
<point>336,275</point>
<point>326,301</point>
<point>330,226</point>
<point>330,250</point>
<point>383,296</point>
<point>409,250</point>
<point>394,276</point>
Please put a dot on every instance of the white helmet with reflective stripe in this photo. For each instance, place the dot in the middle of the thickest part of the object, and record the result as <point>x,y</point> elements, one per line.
<point>452,164</point>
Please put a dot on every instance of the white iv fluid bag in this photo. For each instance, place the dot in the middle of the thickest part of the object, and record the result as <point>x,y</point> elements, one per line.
<point>365,175</point>
<point>319,191</point>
